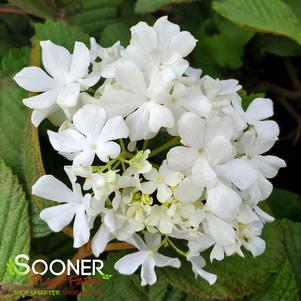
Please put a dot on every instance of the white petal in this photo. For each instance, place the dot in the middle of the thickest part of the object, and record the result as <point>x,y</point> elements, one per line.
<point>222,232</point>
<point>89,81</point>
<point>130,77</point>
<point>192,130</point>
<point>128,264</point>
<point>81,231</point>
<point>51,188</point>
<point>181,158</point>
<point>68,97</point>
<point>35,79</point>
<point>269,165</point>
<point>202,173</point>
<point>165,225</point>
<point>137,123</point>
<point>261,189</point>
<point>58,217</point>
<point>107,150</point>
<point>38,115</point>
<point>89,120</point>
<point>56,60</point>
<point>148,275</point>
<point>159,116</point>
<point>120,102</point>
<point>84,158</point>
<point>144,36</point>
<point>164,261</point>
<point>80,62</point>
<point>166,30</point>
<point>222,201</point>
<point>164,193</point>
<point>115,128</point>
<point>148,187</point>
<point>256,245</point>
<point>197,266</point>
<point>187,191</point>
<point>259,109</point>
<point>240,172</point>
<point>218,150</point>
<point>67,141</point>
<point>100,240</point>
<point>183,43</point>
<point>196,103</point>
<point>41,101</point>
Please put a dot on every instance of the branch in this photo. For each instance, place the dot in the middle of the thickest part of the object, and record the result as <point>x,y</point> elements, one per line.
<point>295,115</point>
<point>12,10</point>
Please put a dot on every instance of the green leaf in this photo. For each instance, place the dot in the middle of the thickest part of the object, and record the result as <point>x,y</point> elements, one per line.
<point>261,16</point>
<point>283,286</point>
<point>115,32</point>
<point>39,8</point>
<point>225,48</point>
<point>14,225</point>
<point>60,33</point>
<point>285,204</point>
<point>237,277</point>
<point>14,61</point>
<point>147,6</point>
<point>93,15</point>
<point>7,41</point>
<point>292,235</point>
<point>281,46</point>
<point>19,147</point>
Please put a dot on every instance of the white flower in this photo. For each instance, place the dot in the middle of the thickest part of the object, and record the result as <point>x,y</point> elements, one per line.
<point>266,167</point>
<point>74,204</point>
<point>161,46</point>
<point>109,56</point>
<point>219,92</point>
<point>207,147</point>
<point>68,75</point>
<point>147,257</point>
<point>91,135</point>
<point>255,115</point>
<point>162,181</point>
<point>139,164</point>
<point>139,101</point>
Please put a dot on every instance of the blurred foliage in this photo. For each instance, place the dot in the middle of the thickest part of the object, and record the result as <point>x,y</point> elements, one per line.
<point>255,41</point>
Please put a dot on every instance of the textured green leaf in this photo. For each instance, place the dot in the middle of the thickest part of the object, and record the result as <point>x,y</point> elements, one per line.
<point>292,235</point>
<point>93,15</point>
<point>225,48</point>
<point>147,6</point>
<point>115,32</point>
<point>39,8</point>
<point>14,224</point>
<point>18,149</point>
<point>237,277</point>
<point>16,59</point>
<point>262,16</point>
<point>285,204</point>
<point>282,287</point>
<point>60,33</point>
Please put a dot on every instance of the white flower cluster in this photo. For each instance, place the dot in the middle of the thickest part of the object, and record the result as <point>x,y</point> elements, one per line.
<point>206,189</point>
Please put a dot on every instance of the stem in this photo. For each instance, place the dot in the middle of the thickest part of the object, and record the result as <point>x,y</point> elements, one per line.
<point>85,251</point>
<point>174,141</point>
<point>144,146</point>
<point>176,248</point>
